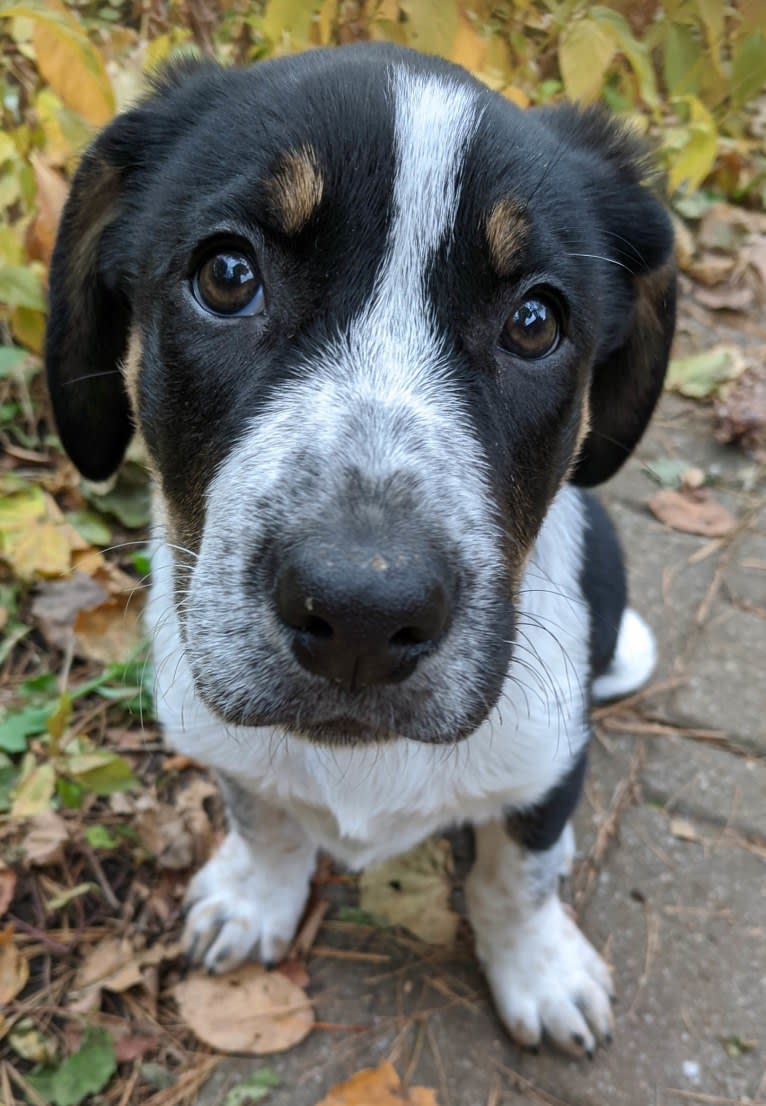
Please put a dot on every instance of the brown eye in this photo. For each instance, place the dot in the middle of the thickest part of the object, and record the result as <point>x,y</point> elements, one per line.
<point>533,330</point>
<point>229,283</point>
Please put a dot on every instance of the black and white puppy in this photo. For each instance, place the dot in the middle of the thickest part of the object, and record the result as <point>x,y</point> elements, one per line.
<point>377,328</point>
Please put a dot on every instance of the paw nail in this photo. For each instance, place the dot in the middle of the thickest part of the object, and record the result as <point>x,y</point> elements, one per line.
<point>578,1039</point>
<point>590,1053</point>
<point>607,1039</point>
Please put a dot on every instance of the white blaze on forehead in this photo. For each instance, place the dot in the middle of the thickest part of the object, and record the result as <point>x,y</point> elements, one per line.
<point>435,120</point>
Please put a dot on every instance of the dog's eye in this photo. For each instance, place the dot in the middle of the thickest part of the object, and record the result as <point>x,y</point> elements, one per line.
<point>229,283</point>
<point>533,330</point>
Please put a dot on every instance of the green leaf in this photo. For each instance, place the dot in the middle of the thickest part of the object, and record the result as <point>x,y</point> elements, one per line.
<point>11,359</point>
<point>682,58</point>
<point>701,374</point>
<point>356,916</point>
<point>34,791</point>
<point>20,286</point>
<point>100,771</point>
<point>636,53</point>
<point>16,728</point>
<point>667,471</point>
<point>90,527</point>
<point>748,72</point>
<point>586,51</point>
<point>9,776</point>
<point>99,837</point>
<point>85,1072</point>
<point>129,500</point>
<point>58,902</point>
<point>253,1089</point>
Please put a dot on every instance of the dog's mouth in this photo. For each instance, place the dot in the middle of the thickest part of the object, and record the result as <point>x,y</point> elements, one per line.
<point>343,730</point>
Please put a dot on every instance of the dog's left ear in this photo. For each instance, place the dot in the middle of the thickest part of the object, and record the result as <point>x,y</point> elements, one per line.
<point>637,236</point>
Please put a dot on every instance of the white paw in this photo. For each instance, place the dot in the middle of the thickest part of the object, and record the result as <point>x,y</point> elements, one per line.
<point>242,905</point>
<point>546,977</point>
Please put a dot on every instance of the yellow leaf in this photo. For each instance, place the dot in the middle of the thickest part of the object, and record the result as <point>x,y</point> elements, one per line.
<point>52,191</point>
<point>696,156</point>
<point>34,793</point>
<point>431,25</point>
<point>517,96</point>
<point>288,22</point>
<point>67,59</point>
<point>586,51</point>
<point>469,48</point>
<point>40,551</point>
<point>28,328</point>
<point>413,890</point>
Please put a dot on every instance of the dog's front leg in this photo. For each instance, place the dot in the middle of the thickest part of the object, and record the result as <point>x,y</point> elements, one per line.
<point>249,897</point>
<point>544,974</point>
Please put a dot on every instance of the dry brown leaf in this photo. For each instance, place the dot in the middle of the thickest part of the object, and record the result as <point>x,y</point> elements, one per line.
<point>693,512</point>
<point>44,838</point>
<point>741,412</point>
<point>379,1086</point>
<point>249,1010</point>
<point>58,602</point>
<point>14,967</point>
<point>164,834</point>
<point>413,891</point>
<point>108,633</point>
<point>7,889</point>
<point>712,268</point>
<point>114,964</point>
<point>52,191</point>
<point>726,297</point>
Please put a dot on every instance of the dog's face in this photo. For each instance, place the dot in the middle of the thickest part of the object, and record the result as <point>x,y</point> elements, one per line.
<point>368,317</point>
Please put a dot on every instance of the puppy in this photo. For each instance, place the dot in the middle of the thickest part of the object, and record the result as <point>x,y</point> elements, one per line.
<point>377,328</point>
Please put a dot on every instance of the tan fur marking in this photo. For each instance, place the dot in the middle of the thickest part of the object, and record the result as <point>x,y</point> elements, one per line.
<point>295,189</point>
<point>506,230</point>
<point>131,369</point>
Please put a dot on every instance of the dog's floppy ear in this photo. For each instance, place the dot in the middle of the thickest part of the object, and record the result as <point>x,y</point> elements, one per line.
<point>637,237</point>
<point>89,290</point>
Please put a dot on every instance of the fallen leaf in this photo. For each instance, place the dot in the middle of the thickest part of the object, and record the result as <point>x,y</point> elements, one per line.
<point>116,965</point>
<point>85,1072</point>
<point>34,791</point>
<point>52,191</point>
<point>7,889</point>
<point>253,1089</point>
<point>14,967</point>
<point>249,1010</point>
<point>44,837</point>
<point>711,268</point>
<point>108,633</point>
<point>28,1042</point>
<point>379,1086</point>
<point>693,512</point>
<point>726,297</point>
<point>701,374</point>
<point>741,412</point>
<point>134,1047</point>
<point>413,891</point>
<point>58,602</point>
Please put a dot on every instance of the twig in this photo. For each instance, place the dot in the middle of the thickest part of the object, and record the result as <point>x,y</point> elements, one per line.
<point>652,943</point>
<point>719,1100</point>
<point>624,795</point>
<point>521,1083</point>
<point>27,1088</point>
<point>127,1094</point>
<point>308,932</point>
<point>188,1084</point>
<point>98,872</point>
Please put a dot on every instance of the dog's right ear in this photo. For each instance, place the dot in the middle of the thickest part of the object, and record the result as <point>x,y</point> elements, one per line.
<point>90,277</point>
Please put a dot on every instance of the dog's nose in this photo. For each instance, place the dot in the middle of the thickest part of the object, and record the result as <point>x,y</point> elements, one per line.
<point>363,615</point>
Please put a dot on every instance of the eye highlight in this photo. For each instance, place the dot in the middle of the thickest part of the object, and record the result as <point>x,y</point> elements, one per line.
<point>229,283</point>
<point>534,329</point>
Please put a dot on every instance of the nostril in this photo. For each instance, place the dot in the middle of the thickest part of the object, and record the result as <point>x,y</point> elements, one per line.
<point>408,636</point>
<point>316,627</point>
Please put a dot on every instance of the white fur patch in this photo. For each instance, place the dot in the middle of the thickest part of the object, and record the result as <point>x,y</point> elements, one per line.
<point>245,902</point>
<point>543,972</point>
<point>635,658</point>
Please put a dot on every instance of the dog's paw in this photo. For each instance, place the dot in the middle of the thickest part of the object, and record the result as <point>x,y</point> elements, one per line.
<point>240,906</point>
<point>547,977</point>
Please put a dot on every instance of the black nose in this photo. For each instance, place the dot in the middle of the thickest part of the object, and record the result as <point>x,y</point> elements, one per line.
<point>361,614</point>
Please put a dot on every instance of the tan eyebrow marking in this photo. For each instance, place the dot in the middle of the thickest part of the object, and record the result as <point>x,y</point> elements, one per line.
<point>506,230</point>
<point>295,189</point>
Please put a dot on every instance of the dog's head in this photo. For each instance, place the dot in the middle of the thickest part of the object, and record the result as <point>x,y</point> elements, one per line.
<point>368,316</point>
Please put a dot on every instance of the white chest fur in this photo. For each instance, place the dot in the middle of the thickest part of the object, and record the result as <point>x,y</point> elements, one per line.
<point>363,804</point>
